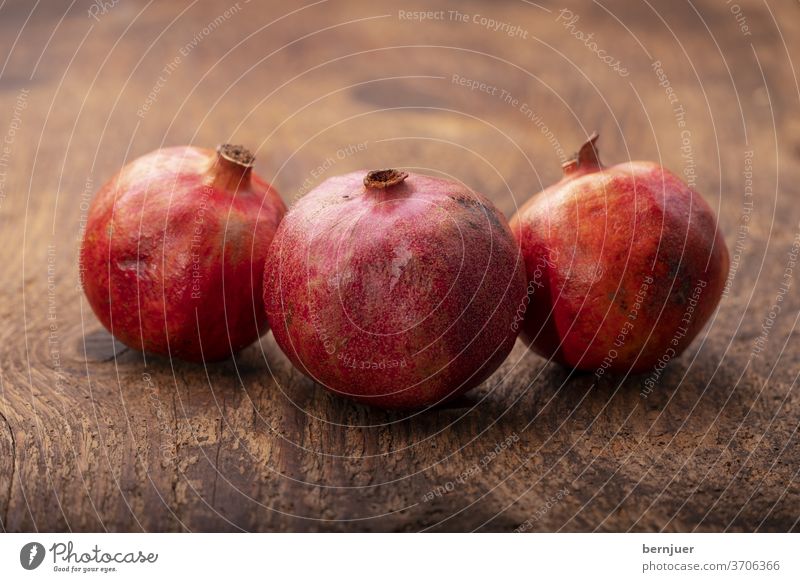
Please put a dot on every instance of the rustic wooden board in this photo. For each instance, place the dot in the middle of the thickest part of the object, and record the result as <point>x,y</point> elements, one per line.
<point>93,437</point>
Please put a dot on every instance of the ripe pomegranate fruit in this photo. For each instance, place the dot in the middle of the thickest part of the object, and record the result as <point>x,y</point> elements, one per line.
<point>625,265</point>
<point>397,290</point>
<point>172,260</point>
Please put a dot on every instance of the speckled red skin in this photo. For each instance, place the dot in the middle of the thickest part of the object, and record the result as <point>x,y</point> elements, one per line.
<point>592,242</point>
<point>173,254</point>
<point>398,298</point>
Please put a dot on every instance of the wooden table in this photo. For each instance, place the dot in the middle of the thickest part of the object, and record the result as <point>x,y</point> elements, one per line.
<point>91,438</point>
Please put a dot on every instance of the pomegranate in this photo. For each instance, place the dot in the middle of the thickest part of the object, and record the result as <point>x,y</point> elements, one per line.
<point>625,265</point>
<point>172,260</point>
<point>397,290</point>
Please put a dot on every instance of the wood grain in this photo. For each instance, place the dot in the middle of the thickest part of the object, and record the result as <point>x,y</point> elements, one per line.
<point>94,436</point>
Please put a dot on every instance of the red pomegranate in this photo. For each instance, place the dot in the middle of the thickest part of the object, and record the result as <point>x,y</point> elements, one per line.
<point>397,290</point>
<point>172,260</point>
<point>625,265</point>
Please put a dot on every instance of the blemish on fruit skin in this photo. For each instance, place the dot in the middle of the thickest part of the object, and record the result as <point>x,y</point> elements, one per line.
<point>465,200</point>
<point>137,266</point>
<point>473,204</point>
<point>401,257</point>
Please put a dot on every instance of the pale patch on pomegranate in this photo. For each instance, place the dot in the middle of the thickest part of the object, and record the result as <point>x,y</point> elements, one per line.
<point>136,266</point>
<point>339,279</point>
<point>402,255</point>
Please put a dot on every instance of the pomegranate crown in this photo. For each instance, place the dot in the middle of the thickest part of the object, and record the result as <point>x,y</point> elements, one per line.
<point>231,168</point>
<point>382,179</point>
<point>586,157</point>
<point>237,154</point>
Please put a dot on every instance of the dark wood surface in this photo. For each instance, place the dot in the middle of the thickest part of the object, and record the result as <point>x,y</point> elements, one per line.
<point>92,438</point>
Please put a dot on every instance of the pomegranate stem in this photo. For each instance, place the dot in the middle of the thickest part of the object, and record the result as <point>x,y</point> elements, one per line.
<point>586,158</point>
<point>232,167</point>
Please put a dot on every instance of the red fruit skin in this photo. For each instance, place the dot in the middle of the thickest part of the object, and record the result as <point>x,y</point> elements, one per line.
<point>593,241</point>
<point>173,253</point>
<point>398,298</point>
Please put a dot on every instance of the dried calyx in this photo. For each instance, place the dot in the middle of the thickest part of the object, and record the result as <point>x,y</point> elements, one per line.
<point>382,179</point>
<point>237,154</point>
<point>585,158</point>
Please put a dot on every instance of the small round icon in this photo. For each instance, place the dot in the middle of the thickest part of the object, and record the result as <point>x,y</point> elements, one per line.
<point>31,555</point>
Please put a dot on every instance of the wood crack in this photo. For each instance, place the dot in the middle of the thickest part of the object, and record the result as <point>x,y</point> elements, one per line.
<point>13,471</point>
<point>216,458</point>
